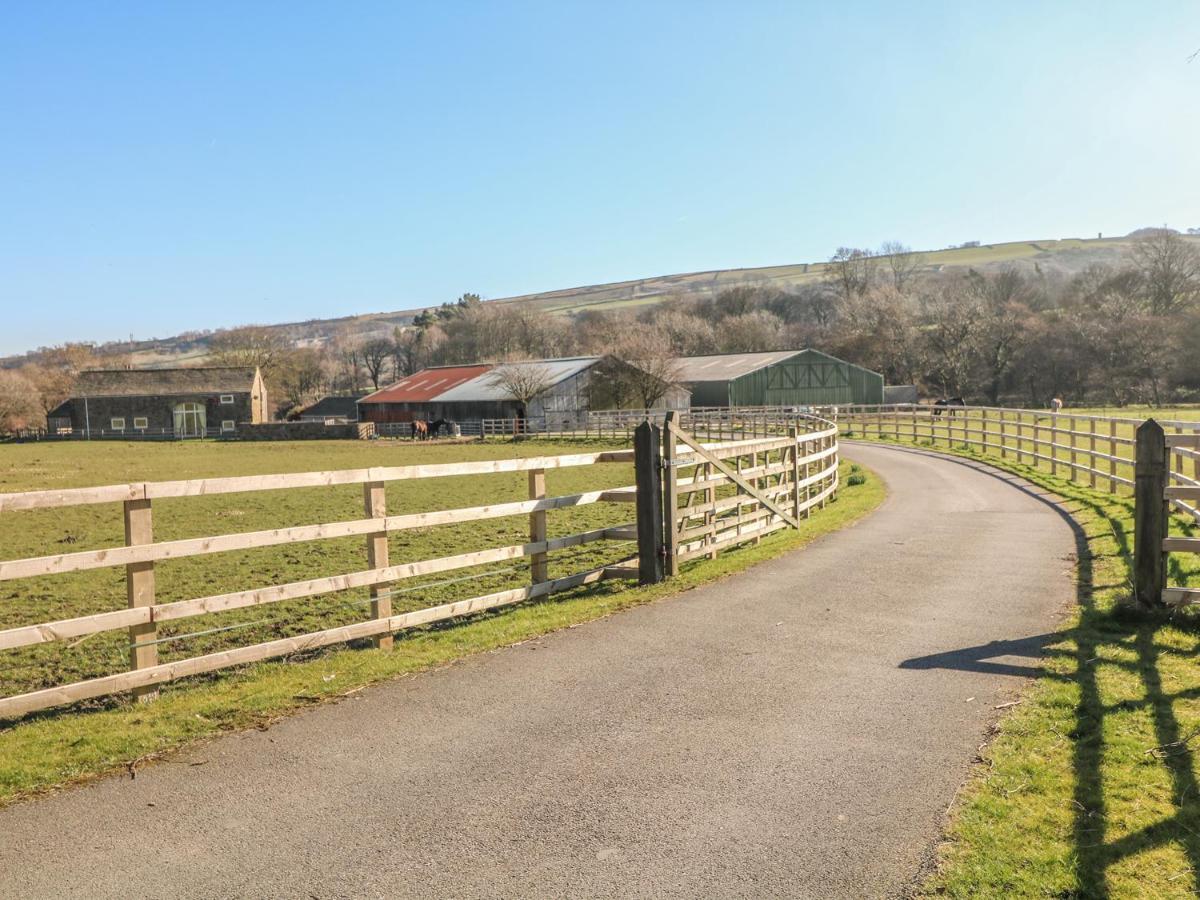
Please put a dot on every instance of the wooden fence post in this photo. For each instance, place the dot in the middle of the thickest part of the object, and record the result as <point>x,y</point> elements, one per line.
<point>1113,454</point>
<point>539,563</point>
<point>1150,514</point>
<point>794,434</point>
<point>1092,453</point>
<point>375,507</point>
<point>139,590</point>
<point>1054,443</point>
<point>670,502</point>
<point>647,462</point>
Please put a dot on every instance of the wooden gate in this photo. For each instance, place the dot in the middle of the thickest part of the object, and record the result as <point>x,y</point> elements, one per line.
<point>719,495</point>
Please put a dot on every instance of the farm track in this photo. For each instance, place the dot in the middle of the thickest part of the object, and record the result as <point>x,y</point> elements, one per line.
<point>796,730</point>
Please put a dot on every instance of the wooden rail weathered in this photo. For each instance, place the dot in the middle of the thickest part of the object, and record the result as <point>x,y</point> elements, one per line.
<point>1159,462</point>
<point>143,615</point>
<point>770,485</point>
<point>742,490</point>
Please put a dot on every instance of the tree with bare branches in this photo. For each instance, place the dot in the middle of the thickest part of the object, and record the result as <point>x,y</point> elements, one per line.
<point>902,262</point>
<point>1171,270</point>
<point>373,356</point>
<point>853,271</point>
<point>522,382</point>
<point>20,403</point>
<point>643,368</point>
<point>252,345</point>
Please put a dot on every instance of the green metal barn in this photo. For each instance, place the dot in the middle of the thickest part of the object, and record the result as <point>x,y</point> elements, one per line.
<point>778,378</point>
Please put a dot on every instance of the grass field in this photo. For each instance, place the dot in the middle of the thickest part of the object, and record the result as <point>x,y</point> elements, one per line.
<point>48,749</point>
<point>41,532</point>
<point>966,426</point>
<point>1090,787</point>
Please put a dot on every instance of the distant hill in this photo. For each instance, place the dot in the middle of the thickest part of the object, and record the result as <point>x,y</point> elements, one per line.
<point>1061,258</point>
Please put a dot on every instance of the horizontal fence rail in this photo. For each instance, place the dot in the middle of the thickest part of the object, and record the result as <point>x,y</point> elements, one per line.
<point>782,468</point>
<point>143,615</point>
<point>1157,461</point>
<point>717,496</point>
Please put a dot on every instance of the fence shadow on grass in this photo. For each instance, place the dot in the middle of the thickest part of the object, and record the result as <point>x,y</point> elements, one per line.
<point>1102,634</point>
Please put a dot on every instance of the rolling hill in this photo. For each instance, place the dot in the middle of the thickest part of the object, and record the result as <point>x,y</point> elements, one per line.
<point>1052,257</point>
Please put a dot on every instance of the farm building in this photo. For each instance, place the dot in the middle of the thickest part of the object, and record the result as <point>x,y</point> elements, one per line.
<point>333,410</point>
<point>568,389</point>
<point>778,378</point>
<point>175,402</point>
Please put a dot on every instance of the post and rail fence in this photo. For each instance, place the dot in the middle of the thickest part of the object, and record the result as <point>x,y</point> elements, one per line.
<point>694,498</point>
<point>705,481</point>
<point>1158,462</point>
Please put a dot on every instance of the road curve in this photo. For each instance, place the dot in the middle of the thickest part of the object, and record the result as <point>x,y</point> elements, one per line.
<point>797,730</point>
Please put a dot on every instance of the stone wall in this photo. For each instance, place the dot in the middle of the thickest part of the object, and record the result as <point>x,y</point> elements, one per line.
<point>304,431</point>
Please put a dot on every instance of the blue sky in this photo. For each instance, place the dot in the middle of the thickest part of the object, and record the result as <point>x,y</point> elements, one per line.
<point>174,166</point>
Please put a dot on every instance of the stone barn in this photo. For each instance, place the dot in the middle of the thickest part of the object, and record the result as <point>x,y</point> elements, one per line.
<point>177,403</point>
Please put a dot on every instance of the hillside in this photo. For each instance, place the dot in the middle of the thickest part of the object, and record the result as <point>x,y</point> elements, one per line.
<point>1051,257</point>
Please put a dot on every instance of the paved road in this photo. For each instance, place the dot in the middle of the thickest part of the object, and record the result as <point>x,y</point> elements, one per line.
<point>797,730</point>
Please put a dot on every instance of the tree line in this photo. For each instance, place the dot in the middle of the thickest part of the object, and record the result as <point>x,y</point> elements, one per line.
<point>1112,334</point>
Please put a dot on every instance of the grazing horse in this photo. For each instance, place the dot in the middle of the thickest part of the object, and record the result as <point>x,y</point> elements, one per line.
<point>420,430</point>
<point>946,405</point>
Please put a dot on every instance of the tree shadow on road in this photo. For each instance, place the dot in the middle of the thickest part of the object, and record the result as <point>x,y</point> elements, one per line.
<point>1122,666</point>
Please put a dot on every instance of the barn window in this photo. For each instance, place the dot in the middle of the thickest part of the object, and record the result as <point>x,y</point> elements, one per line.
<point>140,422</point>
<point>228,425</point>
<point>118,424</point>
<point>227,399</point>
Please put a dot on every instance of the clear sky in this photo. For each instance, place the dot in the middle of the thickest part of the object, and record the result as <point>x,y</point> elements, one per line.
<point>172,166</point>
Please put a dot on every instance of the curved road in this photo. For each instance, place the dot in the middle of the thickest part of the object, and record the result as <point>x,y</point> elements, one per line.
<point>797,730</point>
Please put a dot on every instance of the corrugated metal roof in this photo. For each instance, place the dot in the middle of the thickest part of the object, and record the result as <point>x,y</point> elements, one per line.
<point>156,382</point>
<point>727,366</point>
<point>426,384</point>
<point>485,388</point>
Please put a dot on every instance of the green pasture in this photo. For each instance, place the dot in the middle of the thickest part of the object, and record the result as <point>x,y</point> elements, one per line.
<point>57,746</point>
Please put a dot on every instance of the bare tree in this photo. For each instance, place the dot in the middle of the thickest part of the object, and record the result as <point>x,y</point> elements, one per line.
<point>521,381</point>
<point>644,364</point>
<point>253,345</point>
<point>20,403</point>
<point>302,378</point>
<point>853,271</point>
<point>54,377</point>
<point>374,355</point>
<point>1171,269</point>
<point>902,262</point>
<point>952,314</point>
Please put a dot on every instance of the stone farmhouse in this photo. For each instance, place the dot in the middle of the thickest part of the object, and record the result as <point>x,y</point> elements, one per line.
<point>177,403</point>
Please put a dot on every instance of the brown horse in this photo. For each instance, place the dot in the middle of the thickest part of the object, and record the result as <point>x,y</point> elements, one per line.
<point>420,430</point>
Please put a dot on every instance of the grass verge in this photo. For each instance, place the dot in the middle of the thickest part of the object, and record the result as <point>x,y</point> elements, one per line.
<point>1089,787</point>
<point>47,751</point>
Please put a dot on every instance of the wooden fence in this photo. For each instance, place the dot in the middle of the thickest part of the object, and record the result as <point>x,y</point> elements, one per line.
<point>715,496</point>
<point>1159,462</point>
<point>737,491</point>
<point>771,484</point>
<point>143,614</point>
